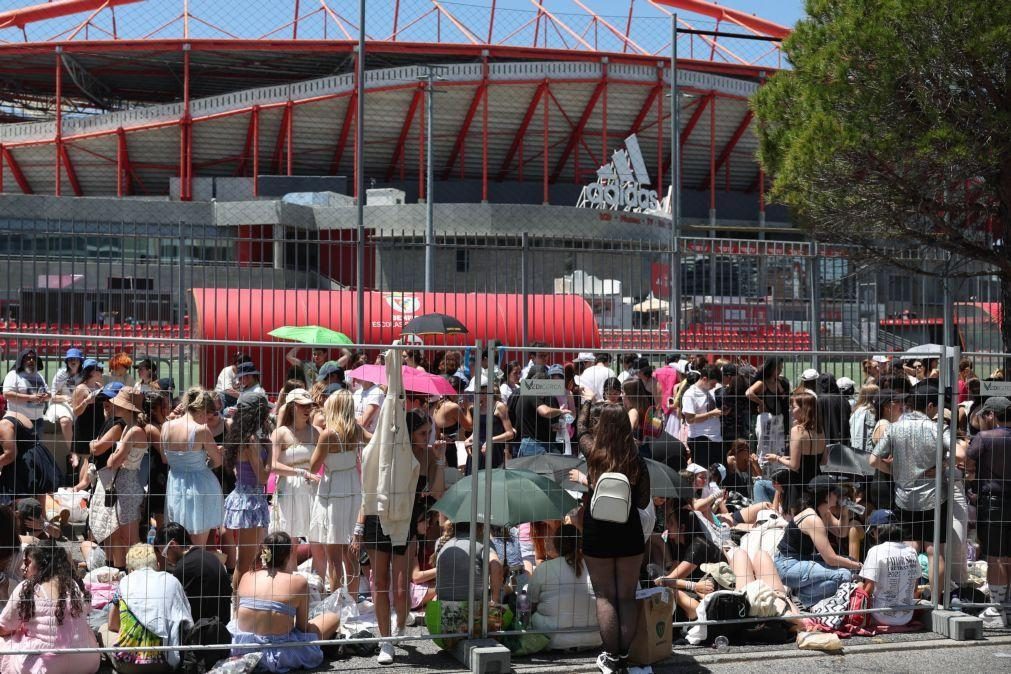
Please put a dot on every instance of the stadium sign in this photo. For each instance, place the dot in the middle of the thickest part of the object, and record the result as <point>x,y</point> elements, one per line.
<point>621,184</point>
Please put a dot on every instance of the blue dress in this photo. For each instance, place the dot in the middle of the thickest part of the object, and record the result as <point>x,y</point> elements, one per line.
<point>282,659</point>
<point>246,507</point>
<point>193,495</point>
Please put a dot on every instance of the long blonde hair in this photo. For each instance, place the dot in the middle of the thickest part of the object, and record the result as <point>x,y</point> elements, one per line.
<point>339,417</point>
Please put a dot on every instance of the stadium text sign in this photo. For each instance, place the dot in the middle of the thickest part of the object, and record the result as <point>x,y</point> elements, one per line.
<point>621,184</point>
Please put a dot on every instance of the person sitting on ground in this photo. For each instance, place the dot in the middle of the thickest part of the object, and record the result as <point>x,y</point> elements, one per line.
<point>891,571</point>
<point>273,608</point>
<point>206,582</point>
<point>691,544</point>
<point>806,561</point>
<point>561,595</point>
<point>48,610</point>
<point>149,610</point>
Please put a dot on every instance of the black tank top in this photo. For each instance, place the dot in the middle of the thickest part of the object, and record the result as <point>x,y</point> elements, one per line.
<point>795,543</point>
<point>87,426</point>
<point>15,475</point>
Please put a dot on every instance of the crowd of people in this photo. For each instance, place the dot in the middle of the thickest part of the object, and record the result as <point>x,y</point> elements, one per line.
<point>226,514</point>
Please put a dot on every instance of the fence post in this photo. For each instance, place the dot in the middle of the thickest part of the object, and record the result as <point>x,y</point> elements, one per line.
<point>814,313</point>
<point>524,286</point>
<point>952,377</point>
<point>486,536</point>
<point>181,386</point>
<point>474,475</point>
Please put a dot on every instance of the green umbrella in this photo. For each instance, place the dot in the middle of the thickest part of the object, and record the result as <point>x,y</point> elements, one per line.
<point>517,496</point>
<point>310,334</point>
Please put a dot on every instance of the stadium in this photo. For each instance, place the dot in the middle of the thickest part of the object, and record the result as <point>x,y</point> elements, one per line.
<point>139,135</point>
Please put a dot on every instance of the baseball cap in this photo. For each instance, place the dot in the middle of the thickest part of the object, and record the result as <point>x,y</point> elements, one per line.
<point>556,371</point>
<point>30,507</point>
<point>696,468</point>
<point>111,390</point>
<point>879,359</point>
<point>845,383</point>
<point>299,396</point>
<point>90,362</point>
<point>585,357</point>
<point>330,368</point>
<point>167,384</point>
<point>729,370</point>
<point>880,518</point>
<point>810,374</point>
<point>824,483</point>
<point>998,405</point>
<point>246,368</point>
<point>147,362</point>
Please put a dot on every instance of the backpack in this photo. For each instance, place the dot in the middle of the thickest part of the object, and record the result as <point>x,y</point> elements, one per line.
<point>653,422</point>
<point>612,498</point>
<point>204,632</point>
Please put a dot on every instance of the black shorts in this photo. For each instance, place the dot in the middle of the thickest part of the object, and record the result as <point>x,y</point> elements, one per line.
<point>993,524</point>
<point>375,539</point>
<point>918,525</point>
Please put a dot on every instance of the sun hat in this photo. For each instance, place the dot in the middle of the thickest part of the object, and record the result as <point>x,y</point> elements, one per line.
<point>556,371</point>
<point>585,357</point>
<point>246,368</point>
<point>299,396</point>
<point>329,369</point>
<point>126,399</point>
<point>74,353</point>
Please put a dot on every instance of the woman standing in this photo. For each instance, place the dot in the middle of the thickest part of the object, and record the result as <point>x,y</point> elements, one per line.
<point>47,611</point>
<point>807,446</point>
<point>339,495</point>
<point>383,556</point>
<point>247,450</point>
<point>89,417</point>
<point>60,413</point>
<point>771,395</point>
<point>193,495</point>
<point>147,375</point>
<point>128,440</point>
<point>512,380</point>
<point>501,432</point>
<point>613,550</point>
<point>863,419</point>
<point>157,407</point>
<point>293,443</point>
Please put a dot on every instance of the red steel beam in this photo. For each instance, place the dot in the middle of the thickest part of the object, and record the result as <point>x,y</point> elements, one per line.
<point>69,168</point>
<point>644,110</point>
<point>342,138</point>
<point>521,132</point>
<point>404,130</point>
<point>19,176</point>
<point>19,18</point>
<point>729,147</point>
<point>465,127</point>
<point>721,13</point>
<point>279,145</point>
<point>577,132</point>
<point>693,121</point>
<point>247,147</point>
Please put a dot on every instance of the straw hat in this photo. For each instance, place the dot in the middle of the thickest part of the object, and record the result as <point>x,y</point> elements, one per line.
<point>128,399</point>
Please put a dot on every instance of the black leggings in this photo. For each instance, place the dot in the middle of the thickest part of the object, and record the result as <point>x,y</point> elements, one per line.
<point>614,582</point>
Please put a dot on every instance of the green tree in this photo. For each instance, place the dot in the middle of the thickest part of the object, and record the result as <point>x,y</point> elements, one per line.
<point>892,129</point>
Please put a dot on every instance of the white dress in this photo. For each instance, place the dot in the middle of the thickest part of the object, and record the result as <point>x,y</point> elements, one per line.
<point>293,495</point>
<point>338,500</point>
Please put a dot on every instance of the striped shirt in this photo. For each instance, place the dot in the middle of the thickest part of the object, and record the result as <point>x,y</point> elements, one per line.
<point>912,441</point>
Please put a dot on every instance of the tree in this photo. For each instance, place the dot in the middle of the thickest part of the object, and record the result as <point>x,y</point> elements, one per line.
<point>893,129</point>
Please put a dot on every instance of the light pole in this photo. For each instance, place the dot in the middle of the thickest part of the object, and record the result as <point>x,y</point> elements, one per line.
<point>430,79</point>
<point>675,190</point>
<point>360,178</point>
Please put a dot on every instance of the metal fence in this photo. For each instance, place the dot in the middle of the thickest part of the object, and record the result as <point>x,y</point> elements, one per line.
<point>549,538</point>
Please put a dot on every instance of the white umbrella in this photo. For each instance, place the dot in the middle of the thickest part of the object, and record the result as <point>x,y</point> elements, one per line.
<point>389,469</point>
<point>651,304</point>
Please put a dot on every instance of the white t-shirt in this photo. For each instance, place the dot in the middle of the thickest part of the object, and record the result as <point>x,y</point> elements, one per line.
<point>227,380</point>
<point>23,382</point>
<point>894,569</point>
<point>697,401</point>
<point>594,377</point>
<point>364,397</point>
<point>564,601</point>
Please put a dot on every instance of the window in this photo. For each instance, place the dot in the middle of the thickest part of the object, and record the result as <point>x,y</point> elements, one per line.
<point>900,288</point>
<point>462,260</point>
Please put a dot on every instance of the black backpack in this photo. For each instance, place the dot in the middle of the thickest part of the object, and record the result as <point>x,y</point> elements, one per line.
<point>204,632</point>
<point>727,606</point>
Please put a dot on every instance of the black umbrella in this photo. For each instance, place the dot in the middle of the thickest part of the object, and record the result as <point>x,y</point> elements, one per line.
<point>845,460</point>
<point>665,482</point>
<point>554,466</point>
<point>434,324</point>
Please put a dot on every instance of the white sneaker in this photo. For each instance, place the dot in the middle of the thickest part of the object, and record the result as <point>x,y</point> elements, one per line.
<point>993,618</point>
<point>607,664</point>
<point>398,634</point>
<point>386,653</point>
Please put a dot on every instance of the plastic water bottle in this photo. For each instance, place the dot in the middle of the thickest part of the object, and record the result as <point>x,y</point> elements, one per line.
<point>152,533</point>
<point>721,643</point>
<point>523,609</point>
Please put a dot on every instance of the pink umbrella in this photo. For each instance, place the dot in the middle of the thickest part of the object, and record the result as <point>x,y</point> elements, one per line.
<point>415,380</point>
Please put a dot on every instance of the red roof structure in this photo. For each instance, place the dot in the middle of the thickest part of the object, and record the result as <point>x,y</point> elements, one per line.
<point>125,94</point>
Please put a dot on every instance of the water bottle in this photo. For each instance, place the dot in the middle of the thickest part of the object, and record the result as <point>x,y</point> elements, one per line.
<point>523,610</point>
<point>721,643</point>
<point>152,533</point>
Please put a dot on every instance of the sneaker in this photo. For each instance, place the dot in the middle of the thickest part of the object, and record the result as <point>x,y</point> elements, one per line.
<point>386,653</point>
<point>993,618</point>
<point>607,664</point>
<point>398,634</point>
